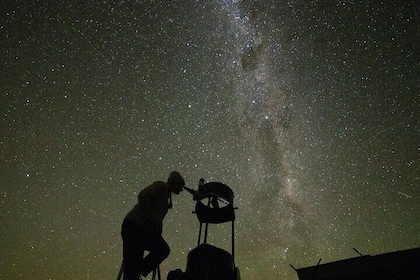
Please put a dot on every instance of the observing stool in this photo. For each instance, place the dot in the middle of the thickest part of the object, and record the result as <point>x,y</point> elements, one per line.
<point>156,271</point>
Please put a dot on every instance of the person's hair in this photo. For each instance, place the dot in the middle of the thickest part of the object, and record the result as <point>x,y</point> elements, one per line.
<point>175,178</point>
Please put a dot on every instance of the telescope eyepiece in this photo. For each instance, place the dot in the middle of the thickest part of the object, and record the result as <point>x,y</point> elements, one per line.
<point>196,194</point>
<point>191,191</point>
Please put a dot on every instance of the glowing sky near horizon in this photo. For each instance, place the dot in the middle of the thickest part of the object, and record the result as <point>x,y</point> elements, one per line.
<point>309,111</point>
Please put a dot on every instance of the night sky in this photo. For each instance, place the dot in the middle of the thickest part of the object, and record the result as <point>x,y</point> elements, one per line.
<point>308,110</point>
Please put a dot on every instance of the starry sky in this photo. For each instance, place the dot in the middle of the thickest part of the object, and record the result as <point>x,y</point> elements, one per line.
<point>308,110</point>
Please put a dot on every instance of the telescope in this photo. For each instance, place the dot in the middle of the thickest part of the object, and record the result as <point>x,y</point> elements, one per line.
<point>197,193</point>
<point>191,191</point>
<point>214,205</point>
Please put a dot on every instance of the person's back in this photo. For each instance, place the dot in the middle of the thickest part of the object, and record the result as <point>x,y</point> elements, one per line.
<point>151,207</point>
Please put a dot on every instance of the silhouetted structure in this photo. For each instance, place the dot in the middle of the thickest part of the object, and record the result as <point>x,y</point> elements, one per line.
<point>207,262</point>
<point>390,266</point>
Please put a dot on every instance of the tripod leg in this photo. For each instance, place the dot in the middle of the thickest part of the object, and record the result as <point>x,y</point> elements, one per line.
<point>199,234</point>
<point>156,270</point>
<point>120,272</point>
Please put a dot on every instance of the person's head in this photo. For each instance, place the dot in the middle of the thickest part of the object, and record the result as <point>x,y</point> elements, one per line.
<point>176,182</point>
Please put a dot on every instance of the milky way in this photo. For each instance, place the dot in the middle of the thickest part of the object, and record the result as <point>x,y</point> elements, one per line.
<point>308,111</point>
<point>265,110</point>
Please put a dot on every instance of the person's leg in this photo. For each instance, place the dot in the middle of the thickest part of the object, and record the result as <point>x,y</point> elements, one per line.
<point>133,251</point>
<point>158,251</point>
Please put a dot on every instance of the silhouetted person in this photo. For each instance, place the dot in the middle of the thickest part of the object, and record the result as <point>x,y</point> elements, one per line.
<point>142,227</point>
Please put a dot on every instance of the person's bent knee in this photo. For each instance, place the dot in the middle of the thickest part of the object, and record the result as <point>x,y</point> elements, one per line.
<point>165,251</point>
